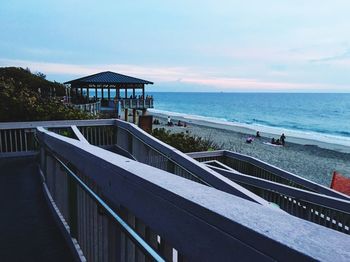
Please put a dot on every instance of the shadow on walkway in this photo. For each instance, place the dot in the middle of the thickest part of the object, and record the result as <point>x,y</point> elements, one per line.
<point>28,231</point>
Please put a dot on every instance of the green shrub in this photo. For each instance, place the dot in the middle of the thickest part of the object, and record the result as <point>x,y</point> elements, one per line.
<point>21,101</point>
<point>185,142</point>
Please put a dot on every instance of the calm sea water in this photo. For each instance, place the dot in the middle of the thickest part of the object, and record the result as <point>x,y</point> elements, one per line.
<point>323,114</point>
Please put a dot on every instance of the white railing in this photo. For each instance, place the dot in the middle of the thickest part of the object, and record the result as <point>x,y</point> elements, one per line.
<point>134,103</point>
<point>178,219</point>
<point>120,209</point>
<point>92,108</point>
<point>18,139</point>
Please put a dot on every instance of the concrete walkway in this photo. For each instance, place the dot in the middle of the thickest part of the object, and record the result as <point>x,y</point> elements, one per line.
<point>27,230</point>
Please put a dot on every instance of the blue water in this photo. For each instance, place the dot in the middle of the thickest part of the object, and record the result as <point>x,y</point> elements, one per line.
<point>317,113</point>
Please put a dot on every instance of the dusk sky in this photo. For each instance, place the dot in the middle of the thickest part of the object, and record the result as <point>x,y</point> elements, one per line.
<point>181,45</point>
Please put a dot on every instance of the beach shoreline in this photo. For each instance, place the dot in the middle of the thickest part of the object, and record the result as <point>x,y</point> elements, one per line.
<point>313,160</point>
<point>264,131</point>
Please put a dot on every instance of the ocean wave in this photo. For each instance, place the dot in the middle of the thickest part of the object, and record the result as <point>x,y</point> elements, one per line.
<point>291,130</point>
<point>343,133</point>
<point>296,126</point>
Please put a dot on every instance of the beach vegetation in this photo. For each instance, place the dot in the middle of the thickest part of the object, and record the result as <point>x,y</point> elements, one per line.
<point>30,97</point>
<point>184,141</point>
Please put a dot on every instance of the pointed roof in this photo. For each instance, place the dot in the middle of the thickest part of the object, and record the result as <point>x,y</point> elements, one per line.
<point>108,77</point>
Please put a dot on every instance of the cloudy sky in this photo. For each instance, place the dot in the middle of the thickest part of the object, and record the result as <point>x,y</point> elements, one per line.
<point>183,45</point>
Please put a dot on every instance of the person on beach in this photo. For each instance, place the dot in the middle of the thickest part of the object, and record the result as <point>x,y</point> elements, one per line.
<point>249,140</point>
<point>257,134</point>
<point>273,141</point>
<point>282,138</point>
<point>169,121</point>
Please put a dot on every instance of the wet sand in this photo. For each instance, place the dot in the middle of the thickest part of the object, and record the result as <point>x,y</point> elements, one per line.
<point>313,160</point>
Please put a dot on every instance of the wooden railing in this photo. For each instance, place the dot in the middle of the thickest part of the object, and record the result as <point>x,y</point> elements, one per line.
<point>163,216</point>
<point>17,140</point>
<point>117,209</point>
<point>324,210</point>
<point>102,233</point>
<point>135,103</point>
<point>149,150</point>
<point>257,168</point>
<point>143,147</point>
<point>92,108</point>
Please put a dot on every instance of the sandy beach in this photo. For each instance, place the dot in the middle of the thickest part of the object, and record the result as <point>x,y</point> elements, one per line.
<point>311,159</point>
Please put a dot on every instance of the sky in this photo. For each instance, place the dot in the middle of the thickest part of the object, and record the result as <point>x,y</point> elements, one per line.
<point>223,45</point>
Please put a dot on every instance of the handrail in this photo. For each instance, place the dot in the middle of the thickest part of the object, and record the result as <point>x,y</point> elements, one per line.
<point>139,241</point>
<point>233,226</point>
<point>286,175</point>
<point>217,180</point>
<point>136,102</point>
<point>58,123</point>
<point>332,208</point>
<point>86,104</point>
<point>169,158</point>
<point>328,201</point>
<point>273,170</point>
<point>166,151</point>
<point>127,229</point>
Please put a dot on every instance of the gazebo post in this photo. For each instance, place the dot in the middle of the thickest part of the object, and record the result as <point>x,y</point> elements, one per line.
<point>126,114</point>
<point>126,110</point>
<point>87,93</point>
<point>101,92</point>
<point>143,91</point>
<point>134,115</point>
<point>96,92</point>
<point>109,93</point>
<point>81,91</point>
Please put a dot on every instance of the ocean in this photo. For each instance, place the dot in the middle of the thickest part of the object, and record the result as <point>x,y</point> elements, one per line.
<point>323,117</point>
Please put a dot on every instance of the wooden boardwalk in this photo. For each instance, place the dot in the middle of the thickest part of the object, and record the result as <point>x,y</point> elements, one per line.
<point>28,231</point>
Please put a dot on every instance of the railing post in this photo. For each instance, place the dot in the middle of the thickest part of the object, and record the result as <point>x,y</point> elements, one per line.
<point>72,205</point>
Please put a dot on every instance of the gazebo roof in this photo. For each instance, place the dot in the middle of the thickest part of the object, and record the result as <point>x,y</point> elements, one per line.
<point>108,77</point>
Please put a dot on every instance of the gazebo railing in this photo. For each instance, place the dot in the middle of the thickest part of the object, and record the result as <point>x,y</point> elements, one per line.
<point>92,108</point>
<point>136,103</point>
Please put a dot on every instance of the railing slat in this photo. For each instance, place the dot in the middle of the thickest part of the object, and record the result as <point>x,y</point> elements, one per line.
<point>5,132</point>
<point>11,142</point>
<point>1,132</point>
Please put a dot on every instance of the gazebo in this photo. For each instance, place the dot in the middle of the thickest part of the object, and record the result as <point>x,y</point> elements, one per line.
<point>128,93</point>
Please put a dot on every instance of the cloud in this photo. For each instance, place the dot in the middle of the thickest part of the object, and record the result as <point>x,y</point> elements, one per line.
<point>44,51</point>
<point>344,56</point>
<point>256,84</point>
<point>180,75</point>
